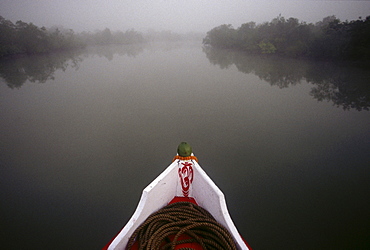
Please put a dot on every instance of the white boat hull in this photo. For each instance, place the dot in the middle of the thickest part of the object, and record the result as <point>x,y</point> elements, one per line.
<point>166,186</point>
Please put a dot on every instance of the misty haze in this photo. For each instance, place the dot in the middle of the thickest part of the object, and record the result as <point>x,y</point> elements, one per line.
<point>273,96</point>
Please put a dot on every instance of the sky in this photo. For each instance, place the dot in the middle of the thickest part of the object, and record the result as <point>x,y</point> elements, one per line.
<point>177,15</point>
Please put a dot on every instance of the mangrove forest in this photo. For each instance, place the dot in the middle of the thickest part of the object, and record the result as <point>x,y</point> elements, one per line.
<point>329,39</point>
<point>27,38</point>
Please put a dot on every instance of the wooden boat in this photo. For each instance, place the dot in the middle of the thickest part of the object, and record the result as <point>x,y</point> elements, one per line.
<point>183,180</point>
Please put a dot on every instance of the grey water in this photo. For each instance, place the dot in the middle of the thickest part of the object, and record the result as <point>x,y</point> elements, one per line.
<point>82,133</point>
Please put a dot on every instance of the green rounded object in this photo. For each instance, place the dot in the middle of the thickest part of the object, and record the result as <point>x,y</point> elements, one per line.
<point>184,149</point>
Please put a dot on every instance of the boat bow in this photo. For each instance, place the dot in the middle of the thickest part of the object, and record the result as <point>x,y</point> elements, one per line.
<point>183,178</point>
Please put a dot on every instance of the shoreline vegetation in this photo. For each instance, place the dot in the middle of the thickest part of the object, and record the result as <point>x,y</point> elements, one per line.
<point>28,39</point>
<point>329,39</point>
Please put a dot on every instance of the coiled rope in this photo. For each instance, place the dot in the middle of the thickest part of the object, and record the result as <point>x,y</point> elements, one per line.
<point>162,229</point>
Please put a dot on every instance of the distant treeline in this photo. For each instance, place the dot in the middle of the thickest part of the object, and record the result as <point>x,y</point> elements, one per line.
<point>27,38</point>
<point>108,37</point>
<point>329,39</point>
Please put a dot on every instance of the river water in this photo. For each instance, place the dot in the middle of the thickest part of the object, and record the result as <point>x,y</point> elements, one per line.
<point>82,133</point>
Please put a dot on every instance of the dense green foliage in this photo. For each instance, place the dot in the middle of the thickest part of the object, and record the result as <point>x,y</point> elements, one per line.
<point>27,38</point>
<point>327,39</point>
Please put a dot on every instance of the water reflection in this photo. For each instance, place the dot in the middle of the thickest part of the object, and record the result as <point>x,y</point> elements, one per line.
<point>344,86</point>
<point>37,69</point>
<point>109,51</point>
<point>41,68</point>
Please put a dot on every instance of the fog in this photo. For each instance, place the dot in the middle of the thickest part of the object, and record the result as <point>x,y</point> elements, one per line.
<point>176,15</point>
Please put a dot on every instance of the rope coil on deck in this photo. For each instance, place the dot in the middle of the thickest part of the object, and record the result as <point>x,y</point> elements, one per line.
<point>162,229</point>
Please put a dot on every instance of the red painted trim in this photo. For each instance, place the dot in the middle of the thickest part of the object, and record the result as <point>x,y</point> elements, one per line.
<point>249,247</point>
<point>181,198</point>
<point>106,246</point>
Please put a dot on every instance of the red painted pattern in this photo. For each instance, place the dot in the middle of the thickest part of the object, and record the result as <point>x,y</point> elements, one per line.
<point>186,175</point>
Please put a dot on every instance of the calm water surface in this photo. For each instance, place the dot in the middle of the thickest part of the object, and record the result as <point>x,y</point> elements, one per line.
<point>83,133</point>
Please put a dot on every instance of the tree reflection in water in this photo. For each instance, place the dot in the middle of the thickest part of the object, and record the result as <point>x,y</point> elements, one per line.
<point>343,85</point>
<point>40,68</point>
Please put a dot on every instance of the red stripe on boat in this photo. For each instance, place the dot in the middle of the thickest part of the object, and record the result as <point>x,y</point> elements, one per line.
<point>181,198</point>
